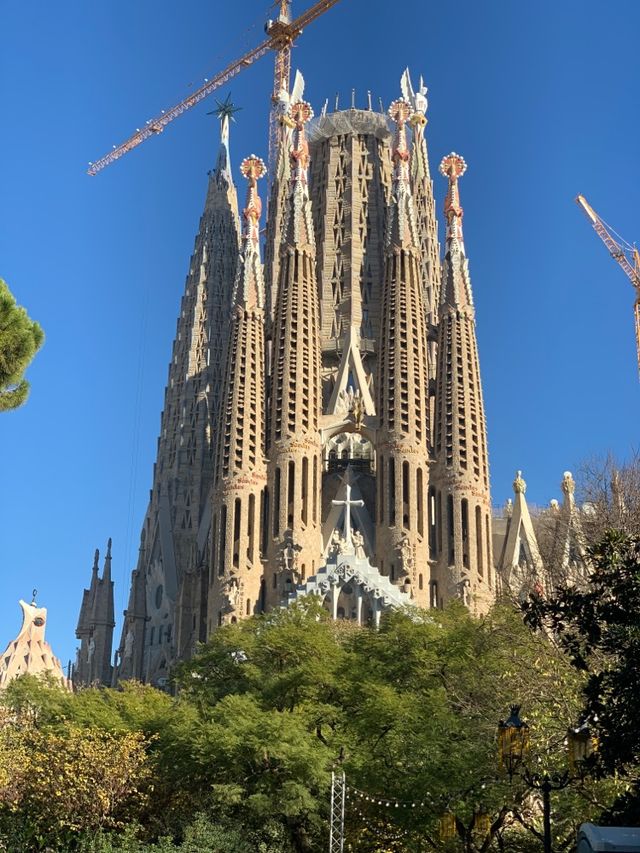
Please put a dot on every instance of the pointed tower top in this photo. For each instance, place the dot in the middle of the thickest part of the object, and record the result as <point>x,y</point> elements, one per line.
<point>453,167</point>
<point>225,111</point>
<point>252,168</point>
<point>249,285</point>
<point>400,112</point>
<point>519,485</point>
<point>402,227</point>
<point>106,574</point>
<point>299,224</point>
<point>301,113</point>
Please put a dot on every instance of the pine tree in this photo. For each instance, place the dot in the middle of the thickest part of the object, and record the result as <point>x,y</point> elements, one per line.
<point>20,339</point>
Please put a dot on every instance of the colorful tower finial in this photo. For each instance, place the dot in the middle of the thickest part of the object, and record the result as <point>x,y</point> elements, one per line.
<point>301,113</point>
<point>252,168</point>
<point>453,167</point>
<point>400,112</point>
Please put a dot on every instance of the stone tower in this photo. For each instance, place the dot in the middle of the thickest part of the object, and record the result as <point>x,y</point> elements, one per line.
<point>167,609</point>
<point>461,523</point>
<point>294,447</point>
<point>402,444</point>
<point>337,389</point>
<point>95,627</point>
<point>241,473</point>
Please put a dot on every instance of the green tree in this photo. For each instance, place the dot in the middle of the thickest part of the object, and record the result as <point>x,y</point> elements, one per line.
<point>20,339</point>
<point>599,628</point>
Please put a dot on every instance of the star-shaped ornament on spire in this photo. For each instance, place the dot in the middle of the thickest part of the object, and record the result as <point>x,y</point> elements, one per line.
<point>225,109</point>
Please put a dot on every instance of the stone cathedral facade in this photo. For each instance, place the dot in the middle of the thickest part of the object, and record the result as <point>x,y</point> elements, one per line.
<point>323,430</point>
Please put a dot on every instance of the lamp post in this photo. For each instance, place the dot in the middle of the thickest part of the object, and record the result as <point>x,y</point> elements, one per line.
<point>513,747</point>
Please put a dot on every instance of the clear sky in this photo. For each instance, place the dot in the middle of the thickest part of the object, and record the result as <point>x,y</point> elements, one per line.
<point>541,100</point>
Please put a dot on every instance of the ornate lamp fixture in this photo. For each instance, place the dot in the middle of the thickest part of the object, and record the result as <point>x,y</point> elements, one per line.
<point>513,742</point>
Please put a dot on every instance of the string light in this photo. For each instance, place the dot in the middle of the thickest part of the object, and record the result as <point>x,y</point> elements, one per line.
<point>392,802</point>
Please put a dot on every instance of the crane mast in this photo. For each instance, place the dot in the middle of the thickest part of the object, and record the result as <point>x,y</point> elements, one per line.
<point>281,34</point>
<point>625,255</point>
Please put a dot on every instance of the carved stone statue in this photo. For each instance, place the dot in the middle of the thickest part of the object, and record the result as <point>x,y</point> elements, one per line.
<point>128,645</point>
<point>91,650</point>
<point>358,543</point>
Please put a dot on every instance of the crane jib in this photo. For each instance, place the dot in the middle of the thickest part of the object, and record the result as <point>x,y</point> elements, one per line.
<point>157,125</point>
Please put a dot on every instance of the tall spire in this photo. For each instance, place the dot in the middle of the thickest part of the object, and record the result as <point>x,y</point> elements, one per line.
<point>462,528</point>
<point>238,496</point>
<point>95,627</point>
<point>422,186</point>
<point>456,287</point>
<point>402,226</point>
<point>225,111</point>
<point>294,438</point>
<point>176,525</point>
<point>403,403</point>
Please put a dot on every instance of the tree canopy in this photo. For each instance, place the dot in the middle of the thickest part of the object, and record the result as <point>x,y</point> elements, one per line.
<point>20,339</point>
<point>243,755</point>
<point>599,628</point>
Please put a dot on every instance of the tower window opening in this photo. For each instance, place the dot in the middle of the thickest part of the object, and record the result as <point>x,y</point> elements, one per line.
<point>223,539</point>
<point>479,548</point>
<point>420,501</point>
<point>276,503</point>
<point>291,491</point>
<point>305,490</point>
<point>451,530</point>
<point>464,511</point>
<point>237,521</point>
<point>392,492</point>
<point>405,496</point>
<point>251,528</point>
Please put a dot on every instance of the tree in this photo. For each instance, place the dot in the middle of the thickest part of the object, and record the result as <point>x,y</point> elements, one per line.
<point>599,628</point>
<point>20,339</point>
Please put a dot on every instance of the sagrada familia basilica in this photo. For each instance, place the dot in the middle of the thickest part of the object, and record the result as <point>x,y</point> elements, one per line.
<point>323,431</point>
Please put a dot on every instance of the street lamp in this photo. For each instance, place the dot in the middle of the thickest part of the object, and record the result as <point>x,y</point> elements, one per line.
<point>513,745</point>
<point>513,742</point>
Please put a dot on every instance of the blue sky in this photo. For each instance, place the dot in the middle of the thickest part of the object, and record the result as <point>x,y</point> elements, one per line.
<point>540,98</point>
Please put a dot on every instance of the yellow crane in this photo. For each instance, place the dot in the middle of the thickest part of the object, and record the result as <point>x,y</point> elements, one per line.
<point>281,34</point>
<point>624,253</point>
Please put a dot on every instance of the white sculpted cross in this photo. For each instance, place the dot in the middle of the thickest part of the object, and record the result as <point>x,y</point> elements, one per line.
<point>347,503</point>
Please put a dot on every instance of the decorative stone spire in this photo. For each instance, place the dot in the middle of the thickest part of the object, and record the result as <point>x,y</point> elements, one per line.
<point>238,497</point>
<point>402,225</point>
<point>294,439</point>
<point>521,568</point>
<point>425,213</point>
<point>456,281</point>
<point>95,627</point>
<point>178,516</point>
<point>402,403</point>
<point>569,560</point>
<point>29,653</point>
<point>461,478</point>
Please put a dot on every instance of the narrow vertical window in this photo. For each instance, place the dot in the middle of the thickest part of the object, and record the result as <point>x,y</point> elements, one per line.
<point>487,540</point>
<point>420,502</point>
<point>406,509</point>
<point>291,492</point>
<point>251,529</point>
<point>381,492</point>
<point>305,490</point>
<point>433,551</point>
<point>276,503</point>
<point>464,512</point>
<point>214,548</point>
<point>223,539</point>
<point>316,463</point>
<point>392,492</point>
<point>479,548</point>
<point>451,530</point>
<point>237,522</point>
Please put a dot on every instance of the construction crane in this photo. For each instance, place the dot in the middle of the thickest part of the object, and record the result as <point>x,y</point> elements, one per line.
<point>624,253</point>
<point>281,34</point>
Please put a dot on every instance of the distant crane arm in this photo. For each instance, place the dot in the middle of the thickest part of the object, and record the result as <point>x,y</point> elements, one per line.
<point>158,124</point>
<point>280,39</point>
<point>627,258</point>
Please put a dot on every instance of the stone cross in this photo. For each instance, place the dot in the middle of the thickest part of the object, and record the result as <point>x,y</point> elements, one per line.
<point>347,503</point>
